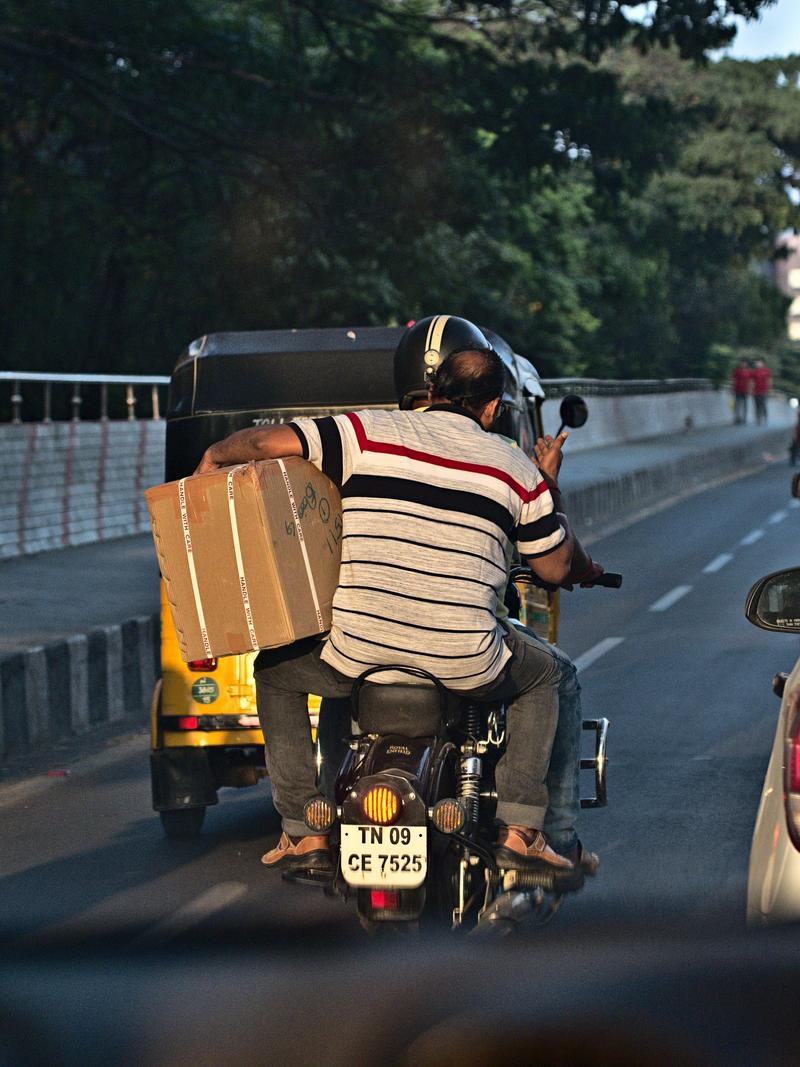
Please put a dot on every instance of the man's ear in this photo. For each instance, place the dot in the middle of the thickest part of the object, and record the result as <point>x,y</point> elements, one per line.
<point>489,413</point>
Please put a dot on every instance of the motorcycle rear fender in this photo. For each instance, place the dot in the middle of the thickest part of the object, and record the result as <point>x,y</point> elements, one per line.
<point>415,758</point>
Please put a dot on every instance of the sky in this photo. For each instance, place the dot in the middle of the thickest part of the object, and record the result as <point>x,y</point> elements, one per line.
<point>777,33</point>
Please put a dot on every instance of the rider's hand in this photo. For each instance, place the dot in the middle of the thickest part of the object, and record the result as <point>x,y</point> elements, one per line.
<point>207,463</point>
<point>547,453</point>
<point>587,581</point>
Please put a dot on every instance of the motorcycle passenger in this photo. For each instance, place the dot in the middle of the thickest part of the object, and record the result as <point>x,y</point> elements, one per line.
<point>413,372</point>
<point>430,501</point>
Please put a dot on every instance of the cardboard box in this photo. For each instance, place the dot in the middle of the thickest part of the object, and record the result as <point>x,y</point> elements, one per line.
<point>250,555</point>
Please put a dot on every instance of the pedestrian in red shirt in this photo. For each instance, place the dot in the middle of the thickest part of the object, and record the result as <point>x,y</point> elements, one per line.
<point>762,380</point>
<point>741,380</point>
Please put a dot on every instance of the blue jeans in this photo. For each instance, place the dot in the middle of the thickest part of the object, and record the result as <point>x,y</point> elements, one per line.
<point>563,775</point>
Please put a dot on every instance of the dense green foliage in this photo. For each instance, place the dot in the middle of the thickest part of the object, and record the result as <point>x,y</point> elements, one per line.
<point>585,184</point>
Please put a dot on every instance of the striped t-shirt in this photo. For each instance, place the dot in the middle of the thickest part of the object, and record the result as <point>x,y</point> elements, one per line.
<point>430,502</point>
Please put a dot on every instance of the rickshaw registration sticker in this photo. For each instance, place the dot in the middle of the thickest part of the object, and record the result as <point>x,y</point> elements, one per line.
<point>394,856</point>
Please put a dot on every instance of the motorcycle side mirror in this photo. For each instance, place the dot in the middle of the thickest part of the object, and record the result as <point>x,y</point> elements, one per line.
<point>573,412</point>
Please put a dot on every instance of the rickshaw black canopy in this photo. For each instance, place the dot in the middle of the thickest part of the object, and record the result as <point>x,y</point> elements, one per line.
<point>223,382</point>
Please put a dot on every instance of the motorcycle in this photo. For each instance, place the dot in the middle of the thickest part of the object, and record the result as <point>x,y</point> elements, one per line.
<point>415,800</point>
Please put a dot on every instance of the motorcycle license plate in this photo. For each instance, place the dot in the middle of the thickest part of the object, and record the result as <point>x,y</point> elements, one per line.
<point>395,856</point>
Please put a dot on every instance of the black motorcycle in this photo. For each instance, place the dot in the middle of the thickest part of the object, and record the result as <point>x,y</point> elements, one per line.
<point>415,801</point>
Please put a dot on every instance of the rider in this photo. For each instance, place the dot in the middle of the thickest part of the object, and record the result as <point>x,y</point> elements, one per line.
<point>430,503</point>
<point>413,363</point>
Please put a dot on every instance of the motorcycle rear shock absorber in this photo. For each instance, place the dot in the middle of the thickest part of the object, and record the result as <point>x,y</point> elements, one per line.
<point>470,784</point>
<point>471,768</point>
<point>472,721</point>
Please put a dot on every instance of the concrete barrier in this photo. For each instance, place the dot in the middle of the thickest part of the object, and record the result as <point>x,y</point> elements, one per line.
<point>75,685</point>
<point>615,498</point>
<point>616,420</point>
<point>72,483</point>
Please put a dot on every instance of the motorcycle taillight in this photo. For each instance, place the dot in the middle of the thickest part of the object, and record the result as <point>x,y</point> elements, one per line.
<point>381,804</point>
<point>384,899</point>
<point>791,766</point>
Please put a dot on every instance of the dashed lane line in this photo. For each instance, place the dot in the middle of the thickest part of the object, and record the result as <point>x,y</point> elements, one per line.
<point>794,504</point>
<point>670,598</point>
<point>594,653</point>
<point>752,537</point>
<point>192,914</point>
<point>718,563</point>
<point>777,517</point>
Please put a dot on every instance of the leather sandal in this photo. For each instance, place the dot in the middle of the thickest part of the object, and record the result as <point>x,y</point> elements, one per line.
<point>299,853</point>
<point>524,849</point>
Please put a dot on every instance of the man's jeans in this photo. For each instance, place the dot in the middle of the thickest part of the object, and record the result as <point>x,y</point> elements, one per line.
<point>563,784</point>
<point>527,684</point>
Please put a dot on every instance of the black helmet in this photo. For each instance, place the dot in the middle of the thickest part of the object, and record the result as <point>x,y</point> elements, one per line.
<point>424,346</point>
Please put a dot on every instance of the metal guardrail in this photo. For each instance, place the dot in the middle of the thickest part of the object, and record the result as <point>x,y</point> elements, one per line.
<point>555,387</point>
<point>129,382</point>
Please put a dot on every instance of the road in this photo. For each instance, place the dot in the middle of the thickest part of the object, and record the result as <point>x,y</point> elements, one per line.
<point>686,683</point>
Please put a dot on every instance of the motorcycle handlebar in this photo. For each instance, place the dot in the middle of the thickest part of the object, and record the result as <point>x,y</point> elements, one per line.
<point>610,579</point>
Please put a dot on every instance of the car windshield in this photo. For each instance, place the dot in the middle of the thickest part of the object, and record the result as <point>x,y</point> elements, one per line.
<point>223,219</point>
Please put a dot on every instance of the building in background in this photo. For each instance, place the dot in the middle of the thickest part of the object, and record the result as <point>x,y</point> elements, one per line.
<point>787,278</point>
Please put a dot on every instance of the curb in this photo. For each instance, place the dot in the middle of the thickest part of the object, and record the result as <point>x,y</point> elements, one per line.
<point>71,686</point>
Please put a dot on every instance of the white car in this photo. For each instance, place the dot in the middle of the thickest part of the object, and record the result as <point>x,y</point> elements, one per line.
<point>773,881</point>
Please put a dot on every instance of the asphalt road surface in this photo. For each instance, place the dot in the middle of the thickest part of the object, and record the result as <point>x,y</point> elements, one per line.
<point>669,658</point>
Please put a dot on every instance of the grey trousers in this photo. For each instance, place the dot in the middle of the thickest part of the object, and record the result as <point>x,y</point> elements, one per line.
<point>527,685</point>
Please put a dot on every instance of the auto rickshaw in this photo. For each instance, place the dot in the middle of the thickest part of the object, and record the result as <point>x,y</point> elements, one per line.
<point>205,732</point>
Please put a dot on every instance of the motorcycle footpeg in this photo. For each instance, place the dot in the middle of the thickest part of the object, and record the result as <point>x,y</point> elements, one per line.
<point>318,877</point>
<point>555,881</point>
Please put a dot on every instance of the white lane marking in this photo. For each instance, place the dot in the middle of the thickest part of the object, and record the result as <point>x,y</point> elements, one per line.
<point>594,653</point>
<point>752,537</point>
<point>794,504</point>
<point>779,516</point>
<point>670,598</point>
<point>196,911</point>
<point>718,563</point>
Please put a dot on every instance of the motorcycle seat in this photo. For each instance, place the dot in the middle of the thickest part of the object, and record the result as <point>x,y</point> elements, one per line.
<point>409,710</point>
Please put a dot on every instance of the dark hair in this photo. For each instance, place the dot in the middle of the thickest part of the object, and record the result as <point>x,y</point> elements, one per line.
<point>469,378</point>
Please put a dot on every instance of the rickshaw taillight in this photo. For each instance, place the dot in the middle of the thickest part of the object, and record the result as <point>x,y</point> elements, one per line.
<point>187,722</point>
<point>202,665</point>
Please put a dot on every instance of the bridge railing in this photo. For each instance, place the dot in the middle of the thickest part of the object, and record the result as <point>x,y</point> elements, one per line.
<point>555,387</point>
<point>42,385</point>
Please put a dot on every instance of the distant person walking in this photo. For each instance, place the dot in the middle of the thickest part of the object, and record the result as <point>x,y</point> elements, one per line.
<point>741,380</point>
<point>762,380</point>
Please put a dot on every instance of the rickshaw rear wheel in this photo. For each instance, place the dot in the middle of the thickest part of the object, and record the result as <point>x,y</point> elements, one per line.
<point>182,822</point>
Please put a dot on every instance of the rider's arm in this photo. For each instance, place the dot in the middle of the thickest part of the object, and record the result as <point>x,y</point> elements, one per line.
<point>554,567</point>
<point>583,568</point>
<point>254,443</point>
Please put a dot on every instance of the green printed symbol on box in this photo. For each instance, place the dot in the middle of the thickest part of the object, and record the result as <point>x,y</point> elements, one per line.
<point>205,691</point>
